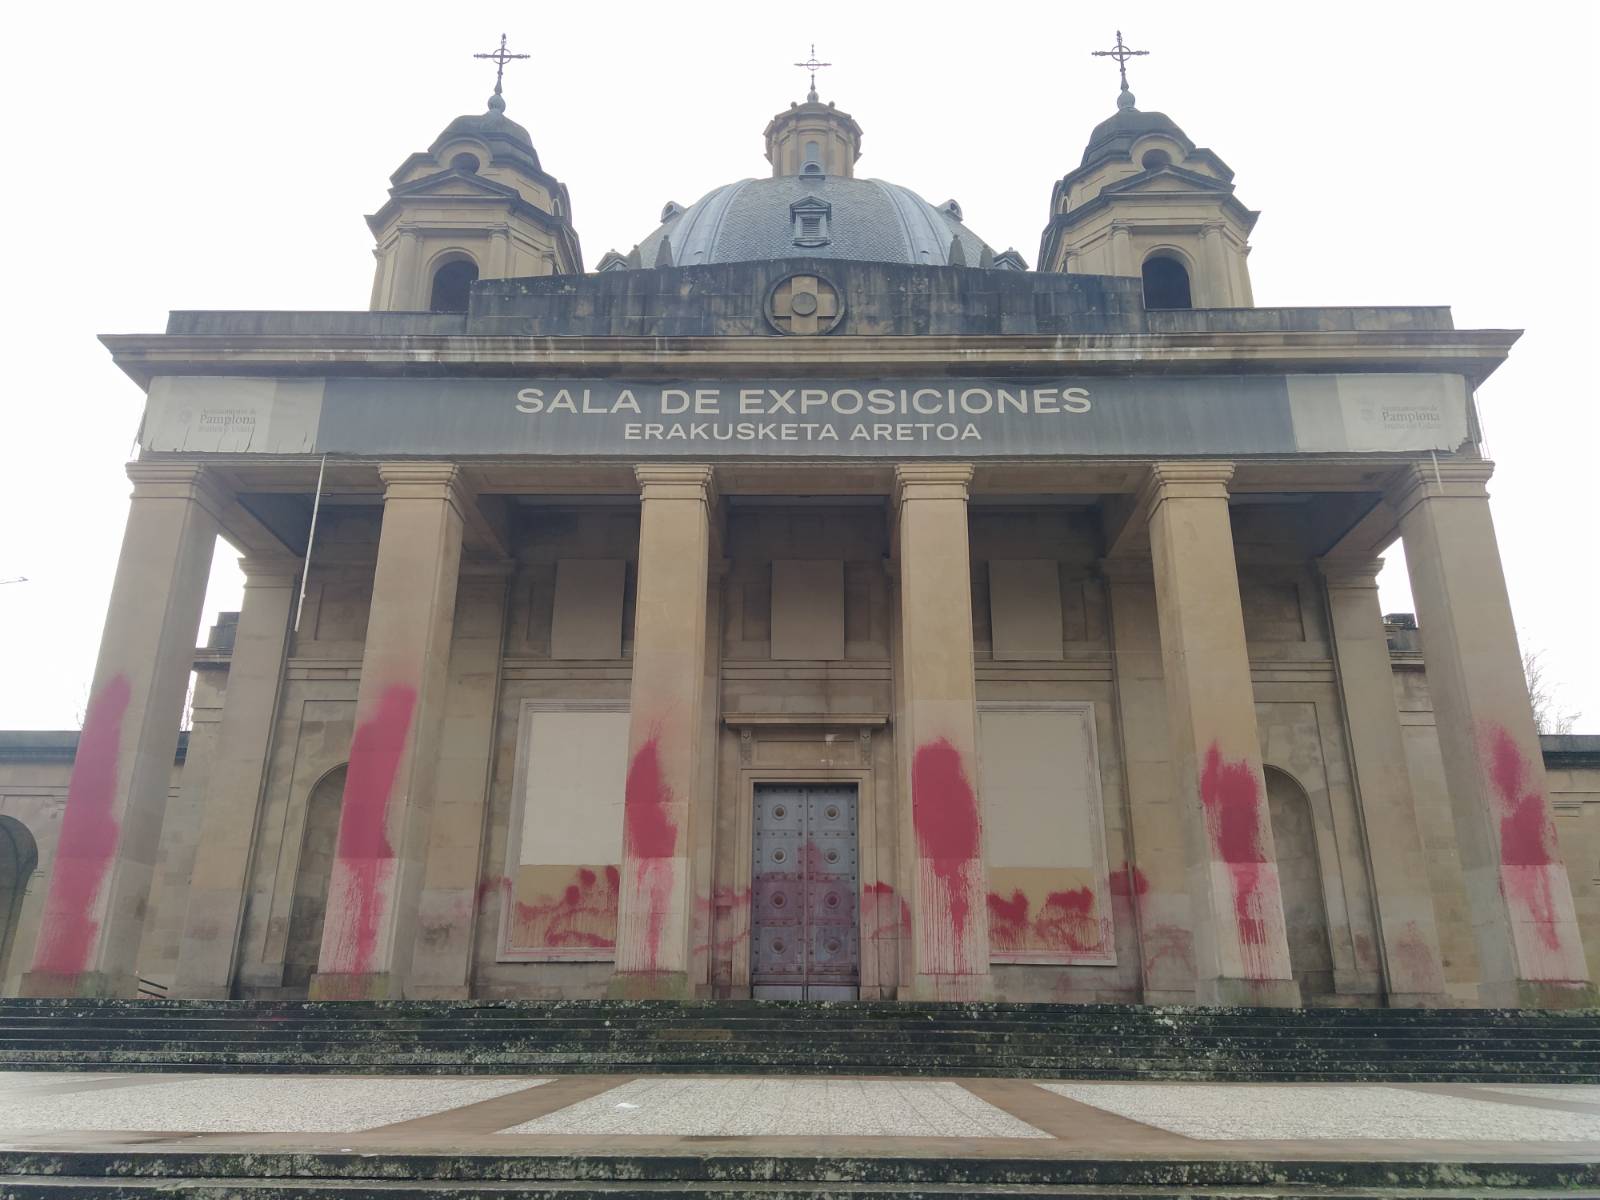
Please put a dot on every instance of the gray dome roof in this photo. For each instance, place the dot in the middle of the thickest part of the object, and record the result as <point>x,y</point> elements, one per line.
<point>867,221</point>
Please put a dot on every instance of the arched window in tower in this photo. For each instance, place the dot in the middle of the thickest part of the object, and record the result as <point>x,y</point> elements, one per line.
<point>1166,283</point>
<point>451,283</point>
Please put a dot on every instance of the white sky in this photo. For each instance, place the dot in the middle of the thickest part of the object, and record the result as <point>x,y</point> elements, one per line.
<point>222,155</point>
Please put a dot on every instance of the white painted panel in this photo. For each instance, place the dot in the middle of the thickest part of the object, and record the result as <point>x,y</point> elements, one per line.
<point>573,782</point>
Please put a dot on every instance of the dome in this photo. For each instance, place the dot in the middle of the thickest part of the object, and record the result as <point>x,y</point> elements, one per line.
<point>814,216</point>
<point>500,133</point>
<point>1114,137</point>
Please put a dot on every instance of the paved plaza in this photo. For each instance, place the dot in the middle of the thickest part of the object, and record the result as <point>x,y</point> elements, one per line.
<point>965,1117</point>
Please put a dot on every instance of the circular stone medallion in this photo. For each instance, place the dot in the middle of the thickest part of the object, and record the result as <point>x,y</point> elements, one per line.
<point>804,304</point>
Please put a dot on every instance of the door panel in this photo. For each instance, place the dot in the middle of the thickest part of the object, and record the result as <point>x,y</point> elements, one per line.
<point>805,934</point>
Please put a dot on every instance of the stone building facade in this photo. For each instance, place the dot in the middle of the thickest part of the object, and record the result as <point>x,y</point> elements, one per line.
<point>812,601</point>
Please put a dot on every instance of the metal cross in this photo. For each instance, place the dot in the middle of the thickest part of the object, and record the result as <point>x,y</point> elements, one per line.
<point>1122,54</point>
<point>811,64</point>
<point>500,58</point>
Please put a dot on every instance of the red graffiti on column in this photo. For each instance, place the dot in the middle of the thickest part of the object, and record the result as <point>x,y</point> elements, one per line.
<point>1232,800</point>
<point>650,838</point>
<point>944,811</point>
<point>364,853</point>
<point>1527,836</point>
<point>88,842</point>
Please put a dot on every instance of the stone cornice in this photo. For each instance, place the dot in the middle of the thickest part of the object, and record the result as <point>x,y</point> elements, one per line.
<point>1455,479</point>
<point>931,481</point>
<point>677,481</point>
<point>1355,573</point>
<point>1473,353</point>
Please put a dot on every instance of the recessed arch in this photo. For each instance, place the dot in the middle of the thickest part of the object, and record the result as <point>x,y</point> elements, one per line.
<point>318,839</point>
<point>19,861</point>
<point>1305,911</point>
<point>1166,281</point>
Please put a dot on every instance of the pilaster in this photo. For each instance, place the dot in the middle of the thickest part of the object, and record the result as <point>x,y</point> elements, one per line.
<point>368,935</point>
<point>228,819</point>
<point>1529,949</point>
<point>1240,946</point>
<point>105,858</point>
<point>937,738</point>
<point>1407,932</point>
<point>663,804</point>
<point>1156,876</point>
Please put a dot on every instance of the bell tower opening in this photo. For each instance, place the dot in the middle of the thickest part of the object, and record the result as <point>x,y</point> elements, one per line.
<point>1166,283</point>
<point>451,283</point>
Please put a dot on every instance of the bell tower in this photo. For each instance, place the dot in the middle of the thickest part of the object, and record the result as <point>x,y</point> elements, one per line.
<point>475,205</point>
<point>813,138</point>
<point>1146,201</point>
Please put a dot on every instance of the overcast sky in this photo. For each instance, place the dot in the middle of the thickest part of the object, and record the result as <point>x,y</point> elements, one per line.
<point>222,155</point>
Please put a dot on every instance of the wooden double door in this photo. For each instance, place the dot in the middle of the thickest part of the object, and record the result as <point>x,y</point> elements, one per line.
<point>805,893</point>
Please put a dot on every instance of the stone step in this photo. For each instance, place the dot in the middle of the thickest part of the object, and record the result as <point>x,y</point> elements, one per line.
<point>261,1174</point>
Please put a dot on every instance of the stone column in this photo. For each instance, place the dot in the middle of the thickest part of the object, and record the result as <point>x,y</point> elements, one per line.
<point>215,914</point>
<point>666,739</point>
<point>1122,250</point>
<point>1409,937</point>
<point>1241,951</point>
<point>441,966</point>
<point>394,754</point>
<point>937,737</point>
<point>1529,948</point>
<point>100,877</point>
<point>1157,880</point>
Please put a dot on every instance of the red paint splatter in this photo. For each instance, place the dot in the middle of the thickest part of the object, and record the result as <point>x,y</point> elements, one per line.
<point>1065,922</point>
<point>364,854</point>
<point>1527,836</point>
<point>88,843</point>
<point>583,915</point>
<point>1366,953</point>
<point>1418,964</point>
<point>1231,795</point>
<point>649,839</point>
<point>1128,880</point>
<point>944,812</point>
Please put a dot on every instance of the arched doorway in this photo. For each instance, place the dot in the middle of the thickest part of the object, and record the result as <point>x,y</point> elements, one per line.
<point>19,858</point>
<point>1294,836</point>
<point>311,879</point>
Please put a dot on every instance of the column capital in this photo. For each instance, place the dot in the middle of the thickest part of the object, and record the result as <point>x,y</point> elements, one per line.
<point>1350,572</point>
<point>931,481</point>
<point>677,481</point>
<point>270,570</point>
<point>1202,480</point>
<point>1455,480</point>
<point>178,481</point>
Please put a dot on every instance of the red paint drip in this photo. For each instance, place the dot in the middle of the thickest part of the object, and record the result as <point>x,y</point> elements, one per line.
<point>1128,880</point>
<point>1066,921</point>
<point>584,914</point>
<point>364,851</point>
<point>650,839</point>
<point>1231,796</point>
<point>89,830</point>
<point>1527,836</point>
<point>944,812</point>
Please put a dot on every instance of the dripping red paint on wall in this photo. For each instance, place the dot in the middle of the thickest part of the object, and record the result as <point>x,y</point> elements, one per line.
<point>1064,923</point>
<point>1128,880</point>
<point>1527,836</point>
<point>364,855</point>
<point>88,842</point>
<point>583,915</point>
<point>650,838</point>
<point>1231,795</point>
<point>944,811</point>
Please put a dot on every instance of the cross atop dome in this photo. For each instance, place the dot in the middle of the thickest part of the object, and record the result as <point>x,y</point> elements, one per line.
<point>811,64</point>
<point>1122,54</point>
<point>500,57</point>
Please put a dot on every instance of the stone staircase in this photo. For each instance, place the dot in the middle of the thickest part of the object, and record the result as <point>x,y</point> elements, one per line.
<point>269,1175</point>
<point>866,1038</point>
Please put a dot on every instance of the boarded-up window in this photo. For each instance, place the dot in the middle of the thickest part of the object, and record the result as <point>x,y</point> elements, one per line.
<point>587,619</point>
<point>566,832</point>
<point>808,609</point>
<point>1049,899</point>
<point>1025,608</point>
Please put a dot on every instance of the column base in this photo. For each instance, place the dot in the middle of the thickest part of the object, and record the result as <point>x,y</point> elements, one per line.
<point>1248,993</point>
<point>649,985</point>
<point>1420,1000</point>
<point>86,985</point>
<point>200,991</point>
<point>1168,998</point>
<point>953,987</point>
<point>380,985</point>
<point>1538,993</point>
